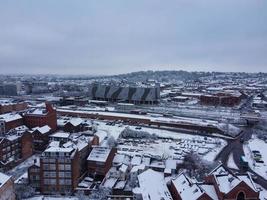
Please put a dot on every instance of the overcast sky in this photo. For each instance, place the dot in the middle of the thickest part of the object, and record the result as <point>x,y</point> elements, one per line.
<point>118,36</point>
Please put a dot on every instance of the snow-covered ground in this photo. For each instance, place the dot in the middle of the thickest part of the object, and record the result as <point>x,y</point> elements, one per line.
<point>261,146</point>
<point>172,144</point>
<point>263,192</point>
<point>231,163</point>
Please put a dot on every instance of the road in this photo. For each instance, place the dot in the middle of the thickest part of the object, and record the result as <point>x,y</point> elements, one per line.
<point>235,146</point>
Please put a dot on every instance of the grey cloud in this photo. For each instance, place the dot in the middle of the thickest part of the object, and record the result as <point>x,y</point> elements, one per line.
<point>107,37</point>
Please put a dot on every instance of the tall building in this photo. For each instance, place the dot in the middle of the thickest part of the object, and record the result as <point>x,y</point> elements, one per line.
<point>62,164</point>
<point>15,147</point>
<point>8,89</point>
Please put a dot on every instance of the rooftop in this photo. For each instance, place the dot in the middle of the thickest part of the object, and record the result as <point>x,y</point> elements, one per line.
<point>99,154</point>
<point>157,190</point>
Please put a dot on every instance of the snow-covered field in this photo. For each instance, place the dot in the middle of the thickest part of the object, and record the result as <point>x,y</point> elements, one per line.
<point>261,146</point>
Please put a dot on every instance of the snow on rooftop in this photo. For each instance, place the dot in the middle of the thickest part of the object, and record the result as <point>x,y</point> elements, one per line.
<point>186,189</point>
<point>210,190</point>
<point>61,135</point>
<point>59,149</point>
<point>8,117</point>
<point>43,129</point>
<point>156,191</point>
<point>76,121</point>
<point>136,160</point>
<point>99,154</point>
<point>119,158</point>
<point>3,179</point>
<point>227,182</point>
<point>110,182</point>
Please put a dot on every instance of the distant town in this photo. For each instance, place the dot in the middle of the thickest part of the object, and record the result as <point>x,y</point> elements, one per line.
<point>149,135</point>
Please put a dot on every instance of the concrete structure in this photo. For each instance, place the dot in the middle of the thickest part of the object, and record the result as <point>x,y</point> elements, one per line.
<point>9,89</point>
<point>125,93</point>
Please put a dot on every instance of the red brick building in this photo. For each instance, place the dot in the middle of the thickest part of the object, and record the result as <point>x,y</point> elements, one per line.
<point>220,184</point>
<point>41,137</point>
<point>225,98</point>
<point>62,165</point>
<point>41,116</point>
<point>100,160</point>
<point>9,121</point>
<point>34,175</point>
<point>15,148</point>
<point>6,107</point>
<point>75,125</point>
<point>232,186</point>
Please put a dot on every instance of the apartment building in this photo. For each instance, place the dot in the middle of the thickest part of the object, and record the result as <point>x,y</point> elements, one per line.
<point>62,164</point>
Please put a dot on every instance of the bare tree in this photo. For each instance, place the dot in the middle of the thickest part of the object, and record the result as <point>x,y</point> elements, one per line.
<point>197,167</point>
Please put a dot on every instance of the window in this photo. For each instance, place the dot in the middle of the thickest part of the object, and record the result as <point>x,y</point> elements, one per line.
<point>46,160</point>
<point>53,181</point>
<point>67,167</point>
<point>61,181</point>
<point>53,174</point>
<point>46,174</point>
<point>46,166</point>
<point>47,181</point>
<point>61,174</point>
<point>67,181</point>
<point>68,174</point>
<point>52,167</point>
<point>61,166</point>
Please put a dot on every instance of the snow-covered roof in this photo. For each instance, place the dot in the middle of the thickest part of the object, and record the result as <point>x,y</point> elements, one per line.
<point>8,117</point>
<point>227,181</point>
<point>3,179</point>
<point>186,189</point>
<point>43,129</point>
<point>59,149</point>
<point>210,190</point>
<point>136,160</point>
<point>170,164</point>
<point>156,191</point>
<point>123,168</point>
<point>60,135</point>
<point>76,121</point>
<point>99,154</point>
<point>110,182</point>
